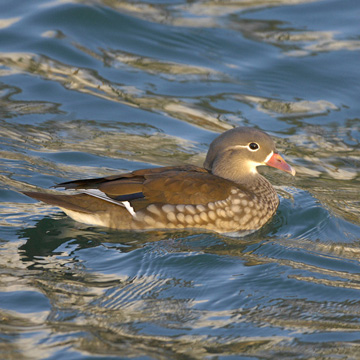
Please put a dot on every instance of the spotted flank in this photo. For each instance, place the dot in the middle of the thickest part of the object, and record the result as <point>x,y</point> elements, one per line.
<point>225,216</point>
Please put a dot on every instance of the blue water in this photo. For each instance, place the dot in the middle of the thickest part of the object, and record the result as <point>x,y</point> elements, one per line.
<point>93,88</point>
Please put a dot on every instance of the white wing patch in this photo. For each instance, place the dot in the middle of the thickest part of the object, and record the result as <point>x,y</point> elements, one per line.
<point>129,208</point>
<point>100,195</point>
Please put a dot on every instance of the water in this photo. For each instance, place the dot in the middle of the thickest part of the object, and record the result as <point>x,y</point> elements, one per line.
<point>91,88</point>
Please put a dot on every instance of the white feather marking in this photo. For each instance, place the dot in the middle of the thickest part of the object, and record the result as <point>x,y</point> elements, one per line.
<point>238,147</point>
<point>100,195</point>
<point>252,166</point>
<point>268,157</point>
<point>129,208</point>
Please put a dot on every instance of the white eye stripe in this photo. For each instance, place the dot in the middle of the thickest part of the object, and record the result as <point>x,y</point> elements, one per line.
<point>238,147</point>
<point>245,147</point>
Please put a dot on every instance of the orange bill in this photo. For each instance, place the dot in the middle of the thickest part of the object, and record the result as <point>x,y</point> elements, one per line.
<point>278,162</point>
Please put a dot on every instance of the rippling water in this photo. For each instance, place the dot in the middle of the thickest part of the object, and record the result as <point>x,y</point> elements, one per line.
<point>90,88</point>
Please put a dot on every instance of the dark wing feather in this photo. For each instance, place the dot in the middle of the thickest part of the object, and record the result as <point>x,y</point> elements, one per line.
<point>136,176</point>
<point>129,197</point>
<point>170,185</point>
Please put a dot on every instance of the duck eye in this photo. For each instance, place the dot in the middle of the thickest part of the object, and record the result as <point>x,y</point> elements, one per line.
<point>253,146</point>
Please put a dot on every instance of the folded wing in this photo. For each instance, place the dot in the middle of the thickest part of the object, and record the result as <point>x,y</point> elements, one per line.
<point>168,185</point>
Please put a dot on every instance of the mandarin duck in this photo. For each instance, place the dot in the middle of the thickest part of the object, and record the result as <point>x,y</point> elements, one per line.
<point>227,195</point>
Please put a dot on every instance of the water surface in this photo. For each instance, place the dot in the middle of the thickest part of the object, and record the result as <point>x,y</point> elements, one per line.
<point>92,88</point>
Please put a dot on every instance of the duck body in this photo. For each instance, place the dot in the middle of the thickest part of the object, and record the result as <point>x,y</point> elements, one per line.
<point>228,195</point>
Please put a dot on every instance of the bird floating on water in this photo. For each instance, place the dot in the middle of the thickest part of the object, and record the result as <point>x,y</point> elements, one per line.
<point>227,195</point>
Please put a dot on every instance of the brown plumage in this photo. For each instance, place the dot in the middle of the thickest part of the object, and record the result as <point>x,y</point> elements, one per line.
<point>228,195</point>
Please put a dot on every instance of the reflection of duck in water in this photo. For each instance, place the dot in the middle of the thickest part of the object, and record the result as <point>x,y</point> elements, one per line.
<point>227,195</point>
<point>49,234</point>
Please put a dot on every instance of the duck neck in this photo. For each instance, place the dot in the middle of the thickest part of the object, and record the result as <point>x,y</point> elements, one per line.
<point>236,170</point>
<point>245,177</point>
